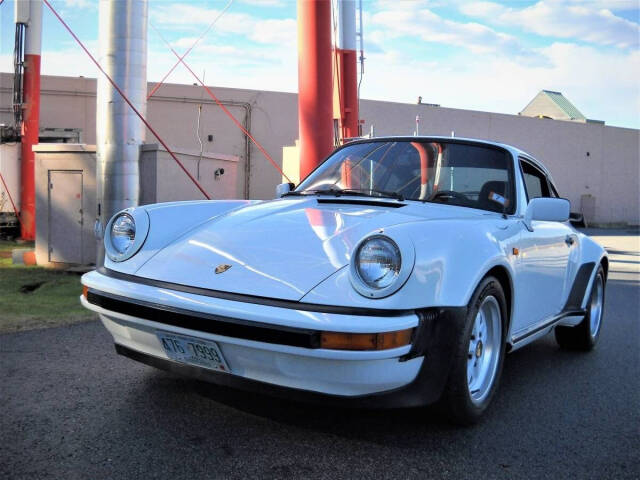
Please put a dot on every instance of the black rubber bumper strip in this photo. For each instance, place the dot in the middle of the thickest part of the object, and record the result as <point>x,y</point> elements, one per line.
<point>203,322</point>
<point>257,300</point>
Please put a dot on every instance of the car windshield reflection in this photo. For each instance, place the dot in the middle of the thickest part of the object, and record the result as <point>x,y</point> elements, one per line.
<point>453,173</point>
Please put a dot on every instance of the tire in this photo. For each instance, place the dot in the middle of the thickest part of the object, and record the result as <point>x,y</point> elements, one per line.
<point>477,367</point>
<point>585,335</point>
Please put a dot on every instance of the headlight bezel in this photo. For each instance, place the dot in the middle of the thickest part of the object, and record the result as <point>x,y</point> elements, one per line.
<point>407,260</point>
<point>141,222</point>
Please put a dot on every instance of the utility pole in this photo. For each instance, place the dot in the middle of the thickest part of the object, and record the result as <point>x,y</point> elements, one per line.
<point>315,106</point>
<point>29,14</point>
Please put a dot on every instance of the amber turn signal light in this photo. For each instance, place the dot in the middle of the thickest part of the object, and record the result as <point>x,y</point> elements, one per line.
<point>365,341</point>
<point>85,291</point>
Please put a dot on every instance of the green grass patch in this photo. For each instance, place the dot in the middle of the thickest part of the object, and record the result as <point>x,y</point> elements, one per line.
<point>36,297</point>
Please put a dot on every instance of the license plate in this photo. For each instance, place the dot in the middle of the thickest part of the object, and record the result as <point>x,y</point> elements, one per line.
<point>194,351</point>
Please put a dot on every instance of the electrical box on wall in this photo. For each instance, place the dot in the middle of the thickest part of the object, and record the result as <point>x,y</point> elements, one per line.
<point>65,204</point>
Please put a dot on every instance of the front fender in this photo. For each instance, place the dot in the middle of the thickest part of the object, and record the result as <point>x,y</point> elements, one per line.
<point>451,257</point>
<point>168,222</point>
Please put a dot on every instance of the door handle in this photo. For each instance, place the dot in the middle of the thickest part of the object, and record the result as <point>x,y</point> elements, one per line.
<point>569,240</point>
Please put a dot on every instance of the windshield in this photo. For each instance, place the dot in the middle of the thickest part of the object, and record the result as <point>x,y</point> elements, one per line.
<point>461,174</point>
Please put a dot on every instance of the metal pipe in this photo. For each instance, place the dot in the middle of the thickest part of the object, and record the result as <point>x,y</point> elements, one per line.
<point>198,134</point>
<point>315,102</point>
<point>247,152</point>
<point>119,131</point>
<point>361,57</point>
<point>31,9</point>
<point>348,67</point>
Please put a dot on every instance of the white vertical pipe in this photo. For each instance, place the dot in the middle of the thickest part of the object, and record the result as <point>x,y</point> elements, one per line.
<point>348,67</point>
<point>29,12</point>
<point>119,132</point>
<point>346,23</point>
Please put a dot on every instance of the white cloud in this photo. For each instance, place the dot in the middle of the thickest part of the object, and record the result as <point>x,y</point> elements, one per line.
<point>275,31</point>
<point>265,3</point>
<point>80,4</point>
<point>426,25</point>
<point>402,4</point>
<point>482,9</point>
<point>602,85</point>
<point>69,61</point>
<point>609,4</point>
<point>183,17</point>
<point>492,71</point>
<point>563,19</point>
<point>225,52</point>
<point>226,66</point>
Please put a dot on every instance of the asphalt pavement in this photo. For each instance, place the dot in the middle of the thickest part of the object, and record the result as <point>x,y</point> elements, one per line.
<point>71,408</point>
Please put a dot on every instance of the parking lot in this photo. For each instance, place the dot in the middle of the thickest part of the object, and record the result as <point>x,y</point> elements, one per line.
<point>72,408</point>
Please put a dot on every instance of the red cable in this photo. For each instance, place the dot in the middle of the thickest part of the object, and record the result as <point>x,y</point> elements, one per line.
<point>124,97</point>
<point>9,195</point>
<point>229,114</point>
<point>157,86</point>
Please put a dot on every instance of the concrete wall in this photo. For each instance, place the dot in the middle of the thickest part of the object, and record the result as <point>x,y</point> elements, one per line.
<point>162,180</point>
<point>585,159</point>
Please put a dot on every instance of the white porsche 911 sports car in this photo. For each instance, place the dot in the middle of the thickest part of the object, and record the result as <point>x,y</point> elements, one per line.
<point>398,273</point>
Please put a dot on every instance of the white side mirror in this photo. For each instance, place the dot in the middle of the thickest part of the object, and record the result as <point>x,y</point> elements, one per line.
<point>547,210</point>
<point>284,188</point>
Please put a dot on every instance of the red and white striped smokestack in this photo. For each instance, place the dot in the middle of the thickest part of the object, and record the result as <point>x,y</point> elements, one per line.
<point>29,12</point>
<point>315,109</point>
<point>347,68</point>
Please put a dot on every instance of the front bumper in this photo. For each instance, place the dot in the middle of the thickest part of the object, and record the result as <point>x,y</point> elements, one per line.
<point>394,377</point>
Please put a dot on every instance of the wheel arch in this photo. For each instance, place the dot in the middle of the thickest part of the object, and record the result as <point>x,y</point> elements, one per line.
<point>503,276</point>
<point>605,265</point>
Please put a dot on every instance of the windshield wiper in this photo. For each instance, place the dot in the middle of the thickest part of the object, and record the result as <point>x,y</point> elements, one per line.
<point>366,192</point>
<point>305,193</point>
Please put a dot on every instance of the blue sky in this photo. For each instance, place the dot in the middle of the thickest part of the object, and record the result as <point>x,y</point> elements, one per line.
<point>491,56</point>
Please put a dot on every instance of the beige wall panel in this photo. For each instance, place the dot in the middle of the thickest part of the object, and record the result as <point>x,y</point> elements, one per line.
<point>610,172</point>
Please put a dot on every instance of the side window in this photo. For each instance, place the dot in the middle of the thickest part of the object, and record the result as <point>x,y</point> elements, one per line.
<point>535,181</point>
<point>553,191</point>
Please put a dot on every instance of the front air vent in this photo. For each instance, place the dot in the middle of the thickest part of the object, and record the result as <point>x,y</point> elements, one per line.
<point>369,203</point>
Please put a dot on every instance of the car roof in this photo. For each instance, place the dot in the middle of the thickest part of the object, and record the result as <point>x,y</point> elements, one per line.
<point>517,152</point>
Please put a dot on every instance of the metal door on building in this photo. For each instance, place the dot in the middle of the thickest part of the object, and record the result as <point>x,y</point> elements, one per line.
<point>65,216</point>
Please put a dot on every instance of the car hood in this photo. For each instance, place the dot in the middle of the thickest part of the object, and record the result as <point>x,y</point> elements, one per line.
<point>281,248</point>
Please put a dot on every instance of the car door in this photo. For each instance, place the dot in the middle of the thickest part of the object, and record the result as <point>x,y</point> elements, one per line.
<point>541,267</point>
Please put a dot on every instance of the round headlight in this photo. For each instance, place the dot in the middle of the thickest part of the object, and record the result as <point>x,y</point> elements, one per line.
<point>123,233</point>
<point>378,262</point>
